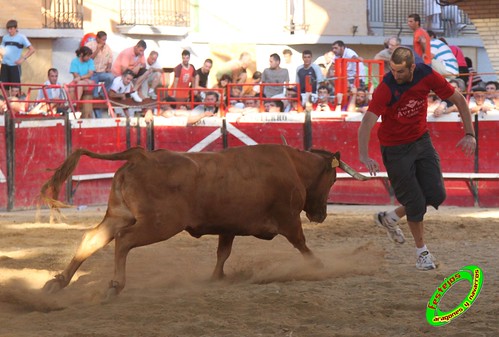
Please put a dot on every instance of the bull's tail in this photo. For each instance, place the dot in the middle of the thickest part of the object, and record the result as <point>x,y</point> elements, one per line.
<point>51,189</point>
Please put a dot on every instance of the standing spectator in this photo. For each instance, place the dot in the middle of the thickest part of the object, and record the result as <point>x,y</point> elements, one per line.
<point>103,61</point>
<point>308,70</point>
<point>147,83</point>
<point>184,77</point>
<point>451,16</point>
<point>340,50</point>
<point>289,62</point>
<point>421,40</point>
<point>411,161</point>
<point>82,68</point>
<point>274,74</point>
<point>443,61</point>
<point>461,61</point>
<point>14,43</point>
<point>385,55</point>
<point>223,84</point>
<point>201,77</point>
<point>432,10</point>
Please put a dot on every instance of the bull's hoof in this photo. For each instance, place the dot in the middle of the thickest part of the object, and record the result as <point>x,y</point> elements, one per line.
<point>54,285</point>
<point>112,292</point>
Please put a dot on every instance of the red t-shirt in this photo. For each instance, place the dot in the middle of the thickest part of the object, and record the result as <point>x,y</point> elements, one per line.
<point>421,33</point>
<point>185,78</point>
<point>403,108</point>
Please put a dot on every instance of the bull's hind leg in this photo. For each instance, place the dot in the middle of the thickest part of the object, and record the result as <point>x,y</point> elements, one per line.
<point>223,252</point>
<point>293,231</point>
<point>93,240</point>
<point>143,232</point>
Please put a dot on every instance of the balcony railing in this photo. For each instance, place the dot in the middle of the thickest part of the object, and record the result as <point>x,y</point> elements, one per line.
<point>174,13</point>
<point>63,14</point>
<point>389,17</point>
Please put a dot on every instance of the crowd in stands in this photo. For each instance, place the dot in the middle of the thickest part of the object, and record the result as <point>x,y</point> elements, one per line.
<point>286,85</point>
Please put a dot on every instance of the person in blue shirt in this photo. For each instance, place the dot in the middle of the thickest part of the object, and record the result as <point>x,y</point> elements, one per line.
<point>13,44</point>
<point>82,68</point>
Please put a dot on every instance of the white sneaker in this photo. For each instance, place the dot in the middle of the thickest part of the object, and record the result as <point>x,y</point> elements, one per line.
<point>136,97</point>
<point>392,230</point>
<point>425,261</point>
<point>152,94</point>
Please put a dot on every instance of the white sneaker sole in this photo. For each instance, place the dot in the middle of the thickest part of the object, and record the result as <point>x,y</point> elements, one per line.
<point>388,233</point>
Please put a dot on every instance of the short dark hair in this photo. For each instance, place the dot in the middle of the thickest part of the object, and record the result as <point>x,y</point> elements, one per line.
<point>11,24</point>
<point>416,17</point>
<point>83,51</point>
<point>322,87</point>
<point>340,43</point>
<point>142,44</point>
<point>211,93</point>
<point>494,83</point>
<point>209,61</point>
<point>128,72</point>
<point>101,34</point>
<point>275,57</point>
<point>307,52</point>
<point>186,53</point>
<point>52,70</point>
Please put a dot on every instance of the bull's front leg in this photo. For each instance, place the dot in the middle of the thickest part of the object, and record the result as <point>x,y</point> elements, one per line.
<point>223,251</point>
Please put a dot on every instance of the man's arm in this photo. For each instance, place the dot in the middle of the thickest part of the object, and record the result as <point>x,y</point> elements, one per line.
<point>364,134</point>
<point>468,142</point>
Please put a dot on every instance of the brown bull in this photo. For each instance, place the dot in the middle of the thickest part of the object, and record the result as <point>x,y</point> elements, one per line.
<point>257,190</point>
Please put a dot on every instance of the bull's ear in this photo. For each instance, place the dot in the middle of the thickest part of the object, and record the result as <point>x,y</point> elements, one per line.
<point>335,162</point>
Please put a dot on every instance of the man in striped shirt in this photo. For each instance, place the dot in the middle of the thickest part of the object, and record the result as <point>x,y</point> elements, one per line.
<point>444,61</point>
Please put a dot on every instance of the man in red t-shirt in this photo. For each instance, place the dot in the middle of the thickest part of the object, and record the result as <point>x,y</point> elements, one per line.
<point>184,77</point>
<point>411,162</point>
<point>421,40</point>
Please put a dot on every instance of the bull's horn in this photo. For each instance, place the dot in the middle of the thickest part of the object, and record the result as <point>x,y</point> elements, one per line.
<point>352,172</point>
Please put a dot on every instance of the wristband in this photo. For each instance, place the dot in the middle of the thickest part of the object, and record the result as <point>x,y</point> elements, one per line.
<point>470,134</point>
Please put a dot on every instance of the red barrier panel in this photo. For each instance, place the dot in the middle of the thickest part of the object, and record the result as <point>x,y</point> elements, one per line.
<point>3,167</point>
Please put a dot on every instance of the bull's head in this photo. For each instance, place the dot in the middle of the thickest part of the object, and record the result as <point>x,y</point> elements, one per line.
<point>318,193</point>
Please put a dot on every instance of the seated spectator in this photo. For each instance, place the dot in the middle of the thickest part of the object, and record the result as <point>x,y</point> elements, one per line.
<point>122,87</point>
<point>168,111</point>
<point>359,100</point>
<point>82,68</point>
<point>223,84</point>
<point>256,79</point>
<point>209,107</point>
<point>492,88</point>
<point>435,105</point>
<point>133,59</point>
<point>479,102</point>
<point>52,93</point>
<point>147,83</point>
<point>448,106</point>
<point>291,103</point>
<point>323,103</point>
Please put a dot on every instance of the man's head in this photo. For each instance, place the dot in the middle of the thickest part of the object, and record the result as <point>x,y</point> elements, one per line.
<point>307,58</point>
<point>53,75</point>
<point>323,93</point>
<point>208,63</point>
<point>186,57</point>
<point>338,48</point>
<point>492,86</point>
<point>287,54</point>
<point>458,84</point>
<point>479,94</point>
<point>250,102</point>
<point>274,61</point>
<point>402,65</point>
<point>414,21</point>
<point>139,48</point>
<point>211,98</point>
<point>127,77</point>
<point>392,43</point>
<point>101,37</point>
<point>152,58</point>
<point>11,27</point>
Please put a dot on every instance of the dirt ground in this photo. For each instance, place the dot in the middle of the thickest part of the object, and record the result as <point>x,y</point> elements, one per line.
<point>368,286</point>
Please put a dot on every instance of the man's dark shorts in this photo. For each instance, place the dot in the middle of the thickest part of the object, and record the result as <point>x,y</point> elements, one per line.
<point>415,175</point>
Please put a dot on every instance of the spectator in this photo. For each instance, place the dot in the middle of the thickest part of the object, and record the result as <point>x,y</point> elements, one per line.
<point>209,107</point>
<point>340,50</point>
<point>14,43</point>
<point>432,10</point>
<point>223,84</point>
<point>184,78</point>
<point>167,111</point>
<point>147,83</point>
<point>391,44</point>
<point>274,74</point>
<point>82,68</point>
<point>237,69</point>
<point>435,105</point>
<point>461,61</point>
<point>289,62</point>
<point>103,61</point>
<point>421,40</point>
<point>273,106</point>
<point>54,92</point>
<point>291,103</point>
<point>444,62</point>
<point>359,100</point>
<point>451,16</point>
<point>476,79</point>
<point>448,106</point>
<point>308,70</point>
<point>122,87</point>
<point>492,88</point>
<point>479,102</point>
<point>132,59</point>
<point>323,103</point>
<point>201,77</point>
<point>256,79</point>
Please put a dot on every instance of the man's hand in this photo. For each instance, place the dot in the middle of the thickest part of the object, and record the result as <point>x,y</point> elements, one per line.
<point>467,145</point>
<point>371,165</point>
